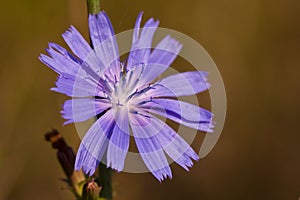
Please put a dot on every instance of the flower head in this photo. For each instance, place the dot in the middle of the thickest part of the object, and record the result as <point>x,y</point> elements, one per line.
<point>126,96</point>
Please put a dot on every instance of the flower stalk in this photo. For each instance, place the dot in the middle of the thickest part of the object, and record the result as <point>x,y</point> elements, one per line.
<point>104,179</point>
<point>93,6</point>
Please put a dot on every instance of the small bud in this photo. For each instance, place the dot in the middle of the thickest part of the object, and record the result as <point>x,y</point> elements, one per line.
<point>91,191</point>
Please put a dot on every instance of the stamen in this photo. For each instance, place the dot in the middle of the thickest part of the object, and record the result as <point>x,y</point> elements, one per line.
<point>139,113</point>
<point>119,104</point>
<point>144,102</point>
<point>137,93</point>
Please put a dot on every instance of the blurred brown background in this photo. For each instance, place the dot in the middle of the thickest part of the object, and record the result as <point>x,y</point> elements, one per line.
<point>256,46</point>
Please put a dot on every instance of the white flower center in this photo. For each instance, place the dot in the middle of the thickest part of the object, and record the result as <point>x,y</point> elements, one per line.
<point>124,89</point>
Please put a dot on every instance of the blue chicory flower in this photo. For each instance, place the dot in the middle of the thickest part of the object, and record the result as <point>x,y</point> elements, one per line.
<point>125,97</point>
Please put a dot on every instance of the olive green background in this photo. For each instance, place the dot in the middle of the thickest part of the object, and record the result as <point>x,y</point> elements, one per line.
<point>256,46</point>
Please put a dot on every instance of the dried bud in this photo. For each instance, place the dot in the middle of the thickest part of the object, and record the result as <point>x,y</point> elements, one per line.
<point>65,154</point>
<point>66,158</point>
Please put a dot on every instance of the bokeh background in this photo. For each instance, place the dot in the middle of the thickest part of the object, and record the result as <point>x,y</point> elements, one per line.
<point>256,46</point>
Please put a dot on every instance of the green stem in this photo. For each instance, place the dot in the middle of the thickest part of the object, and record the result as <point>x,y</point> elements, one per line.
<point>105,181</point>
<point>105,173</point>
<point>93,6</point>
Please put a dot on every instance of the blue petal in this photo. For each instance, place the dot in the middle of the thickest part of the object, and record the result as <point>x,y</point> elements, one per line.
<point>190,83</point>
<point>119,141</point>
<point>61,61</point>
<point>83,50</point>
<point>142,43</point>
<point>86,161</point>
<point>79,110</point>
<point>94,144</point>
<point>176,147</point>
<point>77,43</point>
<point>77,78</point>
<point>168,139</point>
<point>136,31</point>
<point>161,58</point>
<point>78,85</point>
<point>62,51</point>
<point>66,85</point>
<point>181,112</point>
<point>144,131</point>
<point>104,42</point>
